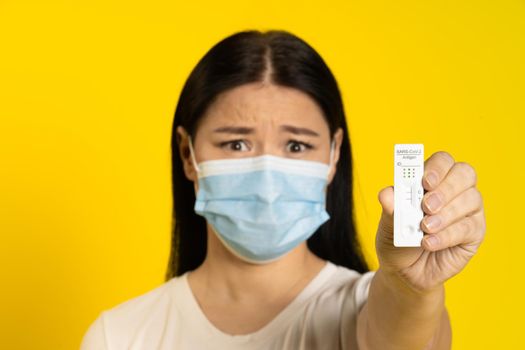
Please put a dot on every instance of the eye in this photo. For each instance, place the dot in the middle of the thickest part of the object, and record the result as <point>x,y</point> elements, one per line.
<point>234,145</point>
<point>298,146</point>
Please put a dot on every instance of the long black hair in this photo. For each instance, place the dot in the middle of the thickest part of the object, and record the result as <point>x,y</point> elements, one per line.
<point>241,58</point>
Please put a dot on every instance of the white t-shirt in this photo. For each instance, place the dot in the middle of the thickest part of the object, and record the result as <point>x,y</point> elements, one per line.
<point>322,316</point>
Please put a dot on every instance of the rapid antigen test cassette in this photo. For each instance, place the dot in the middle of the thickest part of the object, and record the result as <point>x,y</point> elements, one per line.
<point>408,194</point>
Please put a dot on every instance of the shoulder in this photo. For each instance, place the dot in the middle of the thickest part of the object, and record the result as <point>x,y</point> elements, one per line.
<point>146,303</point>
<point>330,315</point>
<point>343,277</point>
<point>344,287</point>
<point>114,327</point>
<point>346,274</point>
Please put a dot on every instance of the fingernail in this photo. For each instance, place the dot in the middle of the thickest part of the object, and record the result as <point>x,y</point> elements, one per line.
<point>432,221</point>
<point>432,240</point>
<point>431,179</point>
<point>433,202</point>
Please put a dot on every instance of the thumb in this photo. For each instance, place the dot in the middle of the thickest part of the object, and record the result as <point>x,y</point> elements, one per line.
<point>386,199</point>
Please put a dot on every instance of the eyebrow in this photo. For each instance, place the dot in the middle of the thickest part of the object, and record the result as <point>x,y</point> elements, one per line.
<point>298,131</point>
<point>235,130</point>
<point>246,130</point>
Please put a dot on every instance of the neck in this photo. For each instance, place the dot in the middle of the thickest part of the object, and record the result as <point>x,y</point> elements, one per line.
<point>231,279</point>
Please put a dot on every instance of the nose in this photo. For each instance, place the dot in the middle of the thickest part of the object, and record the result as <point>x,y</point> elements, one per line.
<point>268,147</point>
<point>267,144</point>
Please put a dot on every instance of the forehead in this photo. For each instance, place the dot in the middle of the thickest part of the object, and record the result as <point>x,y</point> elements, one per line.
<point>262,103</point>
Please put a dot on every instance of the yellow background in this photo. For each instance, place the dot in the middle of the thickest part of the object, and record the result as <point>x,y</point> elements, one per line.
<point>87,95</point>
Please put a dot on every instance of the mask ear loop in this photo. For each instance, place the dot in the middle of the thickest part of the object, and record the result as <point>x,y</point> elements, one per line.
<point>193,156</point>
<point>332,149</point>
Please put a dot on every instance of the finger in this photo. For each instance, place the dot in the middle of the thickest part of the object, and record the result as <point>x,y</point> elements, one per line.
<point>460,177</point>
<point>468,232</point>
<point>467,203</point>
<point>436,168</point>
<point>386,198</point>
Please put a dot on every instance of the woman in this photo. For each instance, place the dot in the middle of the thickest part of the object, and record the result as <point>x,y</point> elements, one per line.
<point>264,250</point>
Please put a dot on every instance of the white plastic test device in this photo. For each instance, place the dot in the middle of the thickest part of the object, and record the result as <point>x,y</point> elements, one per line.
<point>408,194</point>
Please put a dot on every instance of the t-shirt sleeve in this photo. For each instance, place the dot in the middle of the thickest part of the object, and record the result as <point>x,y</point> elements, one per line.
<point>357,296</point>
<point>361,289</point>
<point>95,337</point>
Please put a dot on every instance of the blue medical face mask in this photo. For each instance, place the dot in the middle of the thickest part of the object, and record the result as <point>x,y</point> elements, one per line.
<point>262,207</point>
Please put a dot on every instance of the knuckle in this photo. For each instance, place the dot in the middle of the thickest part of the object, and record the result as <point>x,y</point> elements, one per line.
<point>445,156</point>
<point>481,201</point>
<point>483,227</point>
<point>482,223</point>
<point>470,194</point>
<point>477,195</point>
<point>467,170</point>
<point>473,199</point>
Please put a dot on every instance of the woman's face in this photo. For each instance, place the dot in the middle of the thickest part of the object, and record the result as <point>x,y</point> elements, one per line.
<point>256,119</point>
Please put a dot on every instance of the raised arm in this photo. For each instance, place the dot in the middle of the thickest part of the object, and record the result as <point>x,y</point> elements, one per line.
<point>405,307</point>
<point>397,317</point>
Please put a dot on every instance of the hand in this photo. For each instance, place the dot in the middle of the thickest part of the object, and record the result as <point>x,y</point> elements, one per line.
<point>448,245</point>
